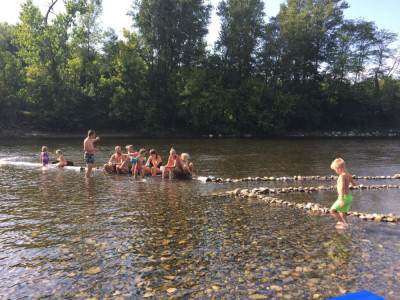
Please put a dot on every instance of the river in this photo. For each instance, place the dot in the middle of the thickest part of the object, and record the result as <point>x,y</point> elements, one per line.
<point>113,237</point>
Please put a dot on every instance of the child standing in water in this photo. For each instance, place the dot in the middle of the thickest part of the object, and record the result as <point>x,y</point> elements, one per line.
<point>61,159</point>
<point>140,161</point>
<point>342,205</point>
<point>45,156</point>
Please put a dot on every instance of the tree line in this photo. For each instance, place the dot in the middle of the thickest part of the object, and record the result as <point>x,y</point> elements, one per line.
<point>307,68</point>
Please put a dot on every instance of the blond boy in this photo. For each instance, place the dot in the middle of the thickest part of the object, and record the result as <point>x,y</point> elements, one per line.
<point>342,205</point>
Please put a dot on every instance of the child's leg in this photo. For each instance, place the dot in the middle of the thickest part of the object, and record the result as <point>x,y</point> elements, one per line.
<point>164,173</point>
<point>134,172</point>
<point>335,214</point>
<point>344,217</point>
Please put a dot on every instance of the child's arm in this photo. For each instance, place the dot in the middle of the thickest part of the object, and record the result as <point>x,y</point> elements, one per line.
<point>148,162</point>
<point>177,162</point>
<point>352,182</point>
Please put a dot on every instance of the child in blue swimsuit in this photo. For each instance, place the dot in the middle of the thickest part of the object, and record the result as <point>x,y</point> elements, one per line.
<point>45,156</point>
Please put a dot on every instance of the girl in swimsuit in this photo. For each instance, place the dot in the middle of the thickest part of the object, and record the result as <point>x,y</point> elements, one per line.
<point>61,159</point>
<point>140,161</point>
<point>45,156</point>
<point>174,165</point>
<point>154,163</point>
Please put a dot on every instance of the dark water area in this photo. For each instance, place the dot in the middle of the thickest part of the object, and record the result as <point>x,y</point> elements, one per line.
<point>113,237</point>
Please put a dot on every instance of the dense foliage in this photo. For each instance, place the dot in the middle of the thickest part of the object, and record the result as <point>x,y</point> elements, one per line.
<point>307,68</point>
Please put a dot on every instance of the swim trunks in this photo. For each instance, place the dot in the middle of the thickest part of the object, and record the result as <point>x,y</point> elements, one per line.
<point>347,199</point>
<point>89,158</point>
<point>45,158</point>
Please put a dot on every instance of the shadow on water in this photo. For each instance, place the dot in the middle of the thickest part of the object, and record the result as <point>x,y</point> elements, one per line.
<point>116,237</point>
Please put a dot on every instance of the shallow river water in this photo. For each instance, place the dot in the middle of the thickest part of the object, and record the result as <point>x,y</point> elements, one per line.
<point>113,237</point>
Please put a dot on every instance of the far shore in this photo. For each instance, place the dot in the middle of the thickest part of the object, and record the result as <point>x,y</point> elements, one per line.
<point>21,134</point>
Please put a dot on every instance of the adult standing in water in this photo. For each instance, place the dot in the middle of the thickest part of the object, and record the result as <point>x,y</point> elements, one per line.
<point>89,149</point>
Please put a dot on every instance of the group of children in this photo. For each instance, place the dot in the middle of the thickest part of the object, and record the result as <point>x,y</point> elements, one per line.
<point>137,164</point>
<point>45,157</point>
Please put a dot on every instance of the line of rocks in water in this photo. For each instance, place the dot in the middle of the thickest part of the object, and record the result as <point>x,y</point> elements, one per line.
<point>297,178</point>
<point>260,193</point>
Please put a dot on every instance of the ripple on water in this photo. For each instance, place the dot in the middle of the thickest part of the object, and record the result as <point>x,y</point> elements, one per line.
<point>115,237</point>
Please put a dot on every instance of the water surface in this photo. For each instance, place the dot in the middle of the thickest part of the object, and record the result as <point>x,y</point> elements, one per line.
<point>115,237</point>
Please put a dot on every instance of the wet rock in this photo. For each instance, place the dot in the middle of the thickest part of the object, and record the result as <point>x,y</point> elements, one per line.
<point>258,296</point>
<point>275,288</point>
<point>309,205</point>
<point>252,194</point>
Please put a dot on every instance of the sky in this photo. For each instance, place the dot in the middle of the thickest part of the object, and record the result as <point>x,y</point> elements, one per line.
<point>384,13</point>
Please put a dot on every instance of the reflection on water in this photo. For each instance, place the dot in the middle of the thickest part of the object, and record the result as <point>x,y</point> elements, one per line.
<point>115,237</point>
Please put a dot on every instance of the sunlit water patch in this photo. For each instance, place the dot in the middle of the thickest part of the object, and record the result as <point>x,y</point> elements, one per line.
<point>113,236</point>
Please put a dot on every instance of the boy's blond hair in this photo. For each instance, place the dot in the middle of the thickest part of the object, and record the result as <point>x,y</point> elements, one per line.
<point>338,163</point>
<point>185,155</point>
<point>59,151</point>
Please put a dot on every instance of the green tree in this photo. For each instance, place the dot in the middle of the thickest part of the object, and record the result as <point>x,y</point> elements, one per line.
<point>125,87</point>
<point>52,63</point>
<point>11,77</point>
<point>205,103</point>
<point>242,24</point>
<point>173,32</point>
<point>307,34</point>
<point>241,31</point>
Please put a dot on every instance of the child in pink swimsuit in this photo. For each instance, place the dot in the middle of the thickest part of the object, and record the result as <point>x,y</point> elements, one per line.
<point>140,161</point>
<point>61,159</point>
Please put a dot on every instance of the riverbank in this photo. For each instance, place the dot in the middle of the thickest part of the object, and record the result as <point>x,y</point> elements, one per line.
<point>23,134</point>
